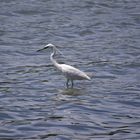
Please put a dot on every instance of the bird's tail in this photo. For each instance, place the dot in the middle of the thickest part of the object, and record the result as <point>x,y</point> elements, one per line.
<point>88,78</point>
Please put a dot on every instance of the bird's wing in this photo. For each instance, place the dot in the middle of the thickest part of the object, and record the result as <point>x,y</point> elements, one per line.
<point>73,73</point>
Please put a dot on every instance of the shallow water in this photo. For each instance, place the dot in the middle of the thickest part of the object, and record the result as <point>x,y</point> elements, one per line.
<point>99,37</point>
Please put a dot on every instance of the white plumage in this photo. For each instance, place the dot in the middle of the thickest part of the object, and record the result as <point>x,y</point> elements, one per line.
<point>71,73</point>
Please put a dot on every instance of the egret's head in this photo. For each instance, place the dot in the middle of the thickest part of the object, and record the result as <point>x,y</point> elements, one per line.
<point>47,46</point>
<point>55,48</point>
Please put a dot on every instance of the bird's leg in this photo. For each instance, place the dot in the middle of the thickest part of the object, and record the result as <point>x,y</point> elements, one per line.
<point>67,83</point>
<point>72,83</point>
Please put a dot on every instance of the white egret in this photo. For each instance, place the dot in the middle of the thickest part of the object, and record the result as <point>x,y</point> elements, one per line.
<point>68,71</point>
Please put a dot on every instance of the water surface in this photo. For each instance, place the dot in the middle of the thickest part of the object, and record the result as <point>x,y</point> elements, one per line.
<point>101,38</point>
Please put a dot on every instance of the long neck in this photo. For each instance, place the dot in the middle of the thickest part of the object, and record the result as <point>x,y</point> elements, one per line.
<point>55,63</point>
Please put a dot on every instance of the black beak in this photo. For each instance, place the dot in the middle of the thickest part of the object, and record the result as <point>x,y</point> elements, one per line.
<point>42,49</point>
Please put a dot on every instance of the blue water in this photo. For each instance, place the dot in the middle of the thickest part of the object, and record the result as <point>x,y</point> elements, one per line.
<point>100,37</point>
